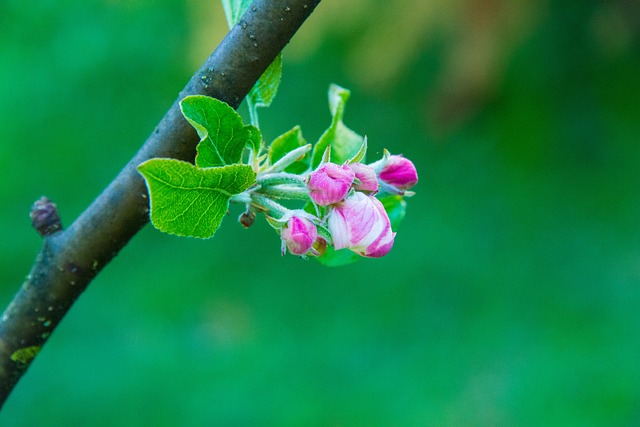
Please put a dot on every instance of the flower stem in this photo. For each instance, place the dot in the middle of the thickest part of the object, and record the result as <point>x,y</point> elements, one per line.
<point>285,191</point>
<point>268,206</point>
<point>280,178</point>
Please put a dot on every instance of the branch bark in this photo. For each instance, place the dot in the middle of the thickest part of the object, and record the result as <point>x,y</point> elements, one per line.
<point>71,258</point>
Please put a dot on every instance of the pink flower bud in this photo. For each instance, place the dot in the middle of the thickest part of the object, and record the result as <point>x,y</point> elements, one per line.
<point>361,224</point>
<point>330,183</point>
<point>298,235</point>
<point>367,177</point>
<point>399,172</point>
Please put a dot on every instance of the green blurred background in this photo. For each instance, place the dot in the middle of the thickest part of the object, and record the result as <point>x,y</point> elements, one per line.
<point>511,296</point>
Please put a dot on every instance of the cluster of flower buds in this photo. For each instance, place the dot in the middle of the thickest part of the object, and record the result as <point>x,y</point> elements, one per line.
<point>345,210</point>
<point>320,198</point>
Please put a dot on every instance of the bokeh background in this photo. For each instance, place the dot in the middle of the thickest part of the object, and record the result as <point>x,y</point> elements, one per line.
<point>511,296</point>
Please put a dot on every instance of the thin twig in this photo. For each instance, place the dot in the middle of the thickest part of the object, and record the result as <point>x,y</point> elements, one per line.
<point>71,258</point>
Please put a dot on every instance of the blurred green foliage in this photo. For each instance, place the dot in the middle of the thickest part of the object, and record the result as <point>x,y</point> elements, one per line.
<point>511,297</point>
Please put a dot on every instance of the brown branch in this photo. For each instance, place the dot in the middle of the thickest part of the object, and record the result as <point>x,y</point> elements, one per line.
<point>71,258</point>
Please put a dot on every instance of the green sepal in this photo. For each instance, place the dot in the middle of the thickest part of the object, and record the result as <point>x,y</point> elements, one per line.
<point>286,143</point>
<point>189,201</point>
<point>360,156</point>
<point>344,142</point>
<point>223,135</point>
<point>326,156</point>
<point>275,223</point>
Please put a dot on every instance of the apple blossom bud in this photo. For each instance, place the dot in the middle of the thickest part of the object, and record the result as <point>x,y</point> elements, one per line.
<point>330,183</point>
<point>367,177</point>
<point>399,172</point>
<point>247,218</point>
<point>361,224</point>
<point>298,235</point>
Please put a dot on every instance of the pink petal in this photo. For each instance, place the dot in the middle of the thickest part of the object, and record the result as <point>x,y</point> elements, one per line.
<point>339,228</point>
<point>399,172</point>
<point>367,177</point>
<point>330,183</point>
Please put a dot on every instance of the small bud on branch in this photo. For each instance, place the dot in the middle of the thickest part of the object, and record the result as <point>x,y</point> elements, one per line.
<point>44,217</point>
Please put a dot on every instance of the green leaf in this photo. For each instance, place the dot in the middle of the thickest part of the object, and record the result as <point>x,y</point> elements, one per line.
<point>345,143</point>
<point>223,135</point>
<point>234,9</point>
<point>190,201</point>
<point>265,89</point>
<point>396,208</point>
<point>333,258</point>
<point>255,138</point>
<point>286,143</point>
<point>311,208</point>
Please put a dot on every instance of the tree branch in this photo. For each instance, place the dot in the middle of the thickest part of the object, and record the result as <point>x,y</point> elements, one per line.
<point>70,259</point>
